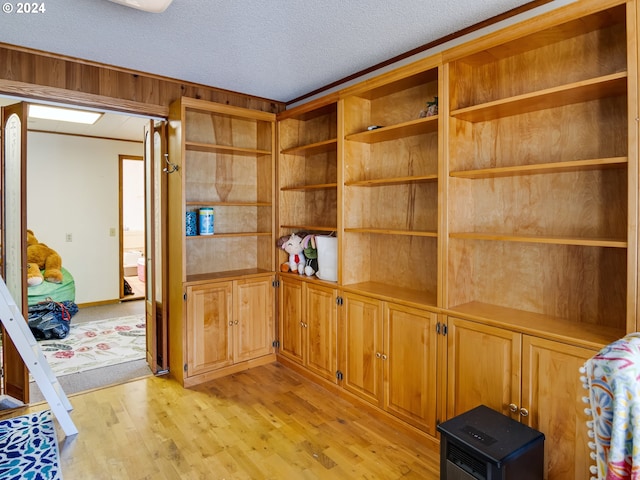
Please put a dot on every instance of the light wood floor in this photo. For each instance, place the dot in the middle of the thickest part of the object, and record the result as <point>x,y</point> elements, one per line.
<point>265,423</point>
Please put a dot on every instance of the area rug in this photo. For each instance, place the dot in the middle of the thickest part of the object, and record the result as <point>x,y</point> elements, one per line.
<point>97,344</point>
<point>29,448</point>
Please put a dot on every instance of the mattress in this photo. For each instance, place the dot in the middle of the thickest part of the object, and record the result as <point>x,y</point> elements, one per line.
<point>59,292</point>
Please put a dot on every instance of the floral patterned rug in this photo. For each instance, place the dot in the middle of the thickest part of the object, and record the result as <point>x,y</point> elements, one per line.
<point>29,448</point>
<point>97,344</point>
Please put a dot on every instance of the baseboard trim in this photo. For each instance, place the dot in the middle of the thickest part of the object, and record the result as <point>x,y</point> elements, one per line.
<point>98,304</point>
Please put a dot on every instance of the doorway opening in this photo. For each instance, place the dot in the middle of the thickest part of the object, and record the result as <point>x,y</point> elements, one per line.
<point>87,230</point>
<point>132,228</point>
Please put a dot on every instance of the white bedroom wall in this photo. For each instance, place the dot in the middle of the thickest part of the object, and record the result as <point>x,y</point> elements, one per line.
<point>72,188</point>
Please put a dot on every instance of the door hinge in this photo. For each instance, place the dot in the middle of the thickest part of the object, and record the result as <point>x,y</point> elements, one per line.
<point>339,375</point>
<point>339,301</point>
<point>275,344</point>
<point>275,283</point>
<point>185,367</point>
<point>441,328</point>
<point>184,296</point>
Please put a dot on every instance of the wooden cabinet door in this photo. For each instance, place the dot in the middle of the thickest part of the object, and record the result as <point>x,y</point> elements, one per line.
<point>410,365</point>
<point>320,330</point>
<point>253,331</point>
<point>483,367</point>
<point>209,314</point>
<point>290,319</point>
<point>552,395</point>
<point>362,336</point>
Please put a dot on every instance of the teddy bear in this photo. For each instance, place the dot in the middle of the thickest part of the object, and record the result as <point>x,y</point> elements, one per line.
<point>41,257</point>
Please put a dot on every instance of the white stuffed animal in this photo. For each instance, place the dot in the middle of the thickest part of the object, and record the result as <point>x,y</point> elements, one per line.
<point>293,246</point>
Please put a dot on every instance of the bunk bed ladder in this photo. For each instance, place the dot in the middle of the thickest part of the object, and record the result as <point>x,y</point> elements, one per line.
<point>26,344</point>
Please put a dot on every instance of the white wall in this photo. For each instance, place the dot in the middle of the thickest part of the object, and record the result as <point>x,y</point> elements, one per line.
<point>72,188</point>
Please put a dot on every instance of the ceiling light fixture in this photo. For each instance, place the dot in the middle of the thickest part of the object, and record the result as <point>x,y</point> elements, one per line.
<point>63,114</point>
<point>153,6</point>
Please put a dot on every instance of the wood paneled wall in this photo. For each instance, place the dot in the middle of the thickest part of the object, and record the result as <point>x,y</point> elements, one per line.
<point>39,75</point>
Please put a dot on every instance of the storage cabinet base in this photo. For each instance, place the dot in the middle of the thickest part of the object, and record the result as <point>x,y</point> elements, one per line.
<point>223,372</point>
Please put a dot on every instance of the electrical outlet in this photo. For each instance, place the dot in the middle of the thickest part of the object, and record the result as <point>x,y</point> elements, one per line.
<point>69,237</point>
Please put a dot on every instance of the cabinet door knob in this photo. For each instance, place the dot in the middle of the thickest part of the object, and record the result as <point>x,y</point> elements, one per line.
<point>513,408</point>
<point>378,355</point>
<point>384,357</point>
<point>235,322</point>
<point>524,412</point>
<point>230,323</point>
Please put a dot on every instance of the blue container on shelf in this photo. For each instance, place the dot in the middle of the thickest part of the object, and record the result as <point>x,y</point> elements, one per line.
<point>191,224</point>
<point>206,221</point>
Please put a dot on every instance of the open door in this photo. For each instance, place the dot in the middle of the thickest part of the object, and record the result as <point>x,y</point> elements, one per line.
<point>155,149</point>
<point>13,226</point>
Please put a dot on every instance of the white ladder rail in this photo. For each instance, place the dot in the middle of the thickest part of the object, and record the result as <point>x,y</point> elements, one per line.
<point>26,344</point>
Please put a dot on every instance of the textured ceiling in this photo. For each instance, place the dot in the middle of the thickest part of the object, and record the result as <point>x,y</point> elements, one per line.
<point>276,49</point>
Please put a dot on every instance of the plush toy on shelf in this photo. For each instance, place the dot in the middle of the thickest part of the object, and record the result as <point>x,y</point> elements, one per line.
<point>293,246</point>
<point>311,254</point>
<point>41,257</point>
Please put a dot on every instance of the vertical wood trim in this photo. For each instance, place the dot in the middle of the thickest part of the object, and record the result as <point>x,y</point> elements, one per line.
<point>633,299</point>
<point>443,184</point>
<point>340,158</point>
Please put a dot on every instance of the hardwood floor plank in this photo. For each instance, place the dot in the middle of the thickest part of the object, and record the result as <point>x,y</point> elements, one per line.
<point>264,423</point>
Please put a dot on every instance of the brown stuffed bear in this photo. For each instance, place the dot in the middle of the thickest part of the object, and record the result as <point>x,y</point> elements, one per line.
<point>44,258</point>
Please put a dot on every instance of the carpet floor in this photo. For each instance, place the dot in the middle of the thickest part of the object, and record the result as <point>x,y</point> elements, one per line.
<point>104,376</point>
<point>97,344</point>
<point>94,379</point>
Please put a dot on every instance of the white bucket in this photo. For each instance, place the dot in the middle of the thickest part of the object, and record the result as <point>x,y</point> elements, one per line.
<point>327,258</point>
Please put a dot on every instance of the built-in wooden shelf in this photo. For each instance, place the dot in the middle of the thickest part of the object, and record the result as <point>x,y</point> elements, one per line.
<point>312,148</point>
<point>393,132</point>
<point>555,240</point>
<point>230,234</point>
<point>392,181</point>
<point>542,38</point>
<point>553,167</point>
<point>389,231</point>
<point>214,148</point>
<point>307,278</point>
<point>601,87</point>
<point>309,228</point>
<point>321,186</point>
<point>393,293</point>
<point>586,334</point>
<point>229,275</point>
<point>227,204</point>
